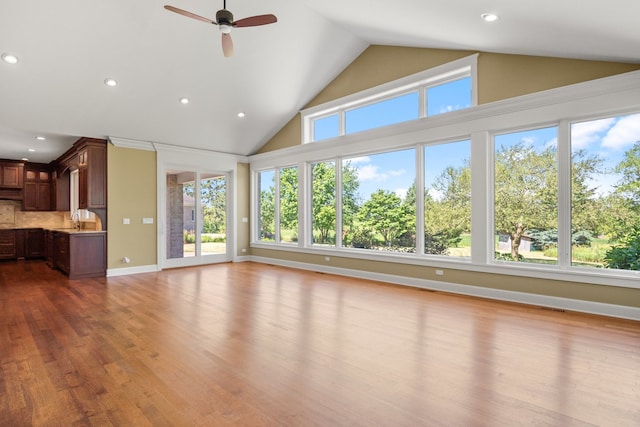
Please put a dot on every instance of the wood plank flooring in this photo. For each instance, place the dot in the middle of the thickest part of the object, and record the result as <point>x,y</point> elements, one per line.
<point>257,345</point>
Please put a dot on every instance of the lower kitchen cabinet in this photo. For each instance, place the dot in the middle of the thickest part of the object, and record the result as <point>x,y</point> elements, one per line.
<point>81,254</point>
<point>8,249</point>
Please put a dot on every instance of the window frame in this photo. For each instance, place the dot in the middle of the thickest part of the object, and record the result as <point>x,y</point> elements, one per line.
<point>606,97</point>
<point>420,82</point>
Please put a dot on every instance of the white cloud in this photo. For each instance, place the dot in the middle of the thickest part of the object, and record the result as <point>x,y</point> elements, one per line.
<point>623,134</point>
<point>435,194</point>
<point>356,160</point>
<point>402,192</point>
<point>368,173</point>
<point>373,173</point>
<point>586,133</point>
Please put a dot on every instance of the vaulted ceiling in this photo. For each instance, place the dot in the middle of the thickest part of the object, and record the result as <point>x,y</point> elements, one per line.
<point>67,48</point>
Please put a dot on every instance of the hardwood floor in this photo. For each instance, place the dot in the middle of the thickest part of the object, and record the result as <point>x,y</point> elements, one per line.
<point>256,345</point>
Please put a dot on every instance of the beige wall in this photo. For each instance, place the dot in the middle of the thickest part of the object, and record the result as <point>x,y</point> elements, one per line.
<point>243,190</point>
<point>132,189</point>
<point>499,77</point>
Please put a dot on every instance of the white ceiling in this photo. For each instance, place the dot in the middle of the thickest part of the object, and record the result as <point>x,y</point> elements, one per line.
<point>68,47</point>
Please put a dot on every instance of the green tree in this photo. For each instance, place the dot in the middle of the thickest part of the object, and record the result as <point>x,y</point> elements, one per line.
<point>385,213</point>
<point>289,198</point>
<point>213,194</point>
<point>267,225</point>
<point>451,210</point>
<point>324,198</point>
<point>526,192</point>
<point>629,167</point>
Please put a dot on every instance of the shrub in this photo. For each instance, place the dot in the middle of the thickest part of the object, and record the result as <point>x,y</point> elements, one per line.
<point>626,256</point>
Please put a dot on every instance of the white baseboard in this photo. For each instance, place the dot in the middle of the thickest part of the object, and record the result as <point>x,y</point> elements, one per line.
<point>243,258</point>
<point>582,306</point>
<point>112,272</point>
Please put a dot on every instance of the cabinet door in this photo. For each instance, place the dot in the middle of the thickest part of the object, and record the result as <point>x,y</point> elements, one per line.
<point>30,196</point>
<point>7,244</point>
<point>35,243</point>
<point>11,176</point>
<point>83,200</point>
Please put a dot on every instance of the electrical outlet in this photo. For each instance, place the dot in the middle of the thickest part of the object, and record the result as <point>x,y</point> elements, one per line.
<point>126,221</point>
<point>439,272</point>
<point>126,260</point>
<point>147,220</point>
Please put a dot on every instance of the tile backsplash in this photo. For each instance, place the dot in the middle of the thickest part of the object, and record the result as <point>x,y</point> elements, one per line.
<point>30,219</point>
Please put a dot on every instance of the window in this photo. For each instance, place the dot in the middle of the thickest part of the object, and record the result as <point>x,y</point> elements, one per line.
<point>267,206</point>
<point>383,113</point>
<point>439,90</point>
<point>450,96</point>
<point>326,127</point>
<point>323,203</point>
<point>538,186</point>
<point>379,202</point>
<point>526,196</point>
<point>605,193</point>
<point>447,199</point>
<point>288,203</point>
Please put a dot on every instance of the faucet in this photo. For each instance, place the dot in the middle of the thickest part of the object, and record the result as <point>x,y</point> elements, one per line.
<point>76,221</point>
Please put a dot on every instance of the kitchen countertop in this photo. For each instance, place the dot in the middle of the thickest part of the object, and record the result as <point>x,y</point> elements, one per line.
<point>61,230</point>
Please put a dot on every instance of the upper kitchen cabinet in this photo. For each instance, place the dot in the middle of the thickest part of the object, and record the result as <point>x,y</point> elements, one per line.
<point>11,179</point>
<point>92,173</point>
<point>37,187</point>
<point>11,174</point>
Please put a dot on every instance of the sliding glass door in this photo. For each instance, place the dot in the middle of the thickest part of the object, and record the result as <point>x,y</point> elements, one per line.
<point>196,218</point>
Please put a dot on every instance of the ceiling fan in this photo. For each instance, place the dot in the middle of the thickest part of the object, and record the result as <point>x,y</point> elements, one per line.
<point>224,19</point>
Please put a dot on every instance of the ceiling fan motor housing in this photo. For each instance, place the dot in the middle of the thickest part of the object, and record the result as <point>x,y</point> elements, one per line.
<point>224,17</point>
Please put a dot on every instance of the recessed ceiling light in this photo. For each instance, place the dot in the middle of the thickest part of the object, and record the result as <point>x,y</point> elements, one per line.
<point>241,114</point>
<point>24,159</point>
<point>111,82</point>
<point>9,58</point>
<point>31,150</point>
<point>184,101</point>
<point>489,17</point>
<point>40,138</point>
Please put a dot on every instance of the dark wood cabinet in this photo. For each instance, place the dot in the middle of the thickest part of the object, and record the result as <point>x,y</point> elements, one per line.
<point>61,252</point>
<point>80,255</point>
<point>49,248</point>
<point>11,174</point>
<point>8,244</point>
<point>37,188</point>
<point>60,193</point>
<point>35,243</point>
<point>92,173</point>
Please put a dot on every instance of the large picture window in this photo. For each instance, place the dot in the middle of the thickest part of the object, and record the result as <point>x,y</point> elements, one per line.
<point>541,186</point>
<point>379,202</point>
<point>526,196</point>
<point>605,193</point>
<point>447,199</point>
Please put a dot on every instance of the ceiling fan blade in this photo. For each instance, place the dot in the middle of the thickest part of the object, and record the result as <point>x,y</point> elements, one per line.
<point>227,45</point>
<point>189,14</point>
<point>254,21</point>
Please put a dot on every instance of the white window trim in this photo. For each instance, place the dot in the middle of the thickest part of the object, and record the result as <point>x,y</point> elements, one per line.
<point>607,97</point>
<point>464,67</point>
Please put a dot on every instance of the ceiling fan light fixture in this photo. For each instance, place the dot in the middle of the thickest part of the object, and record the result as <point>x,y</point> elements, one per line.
<point>489,17</point>
<point>225,29</point>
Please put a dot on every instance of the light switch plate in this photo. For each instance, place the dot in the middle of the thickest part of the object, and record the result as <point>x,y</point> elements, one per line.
<point>147,220</point>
